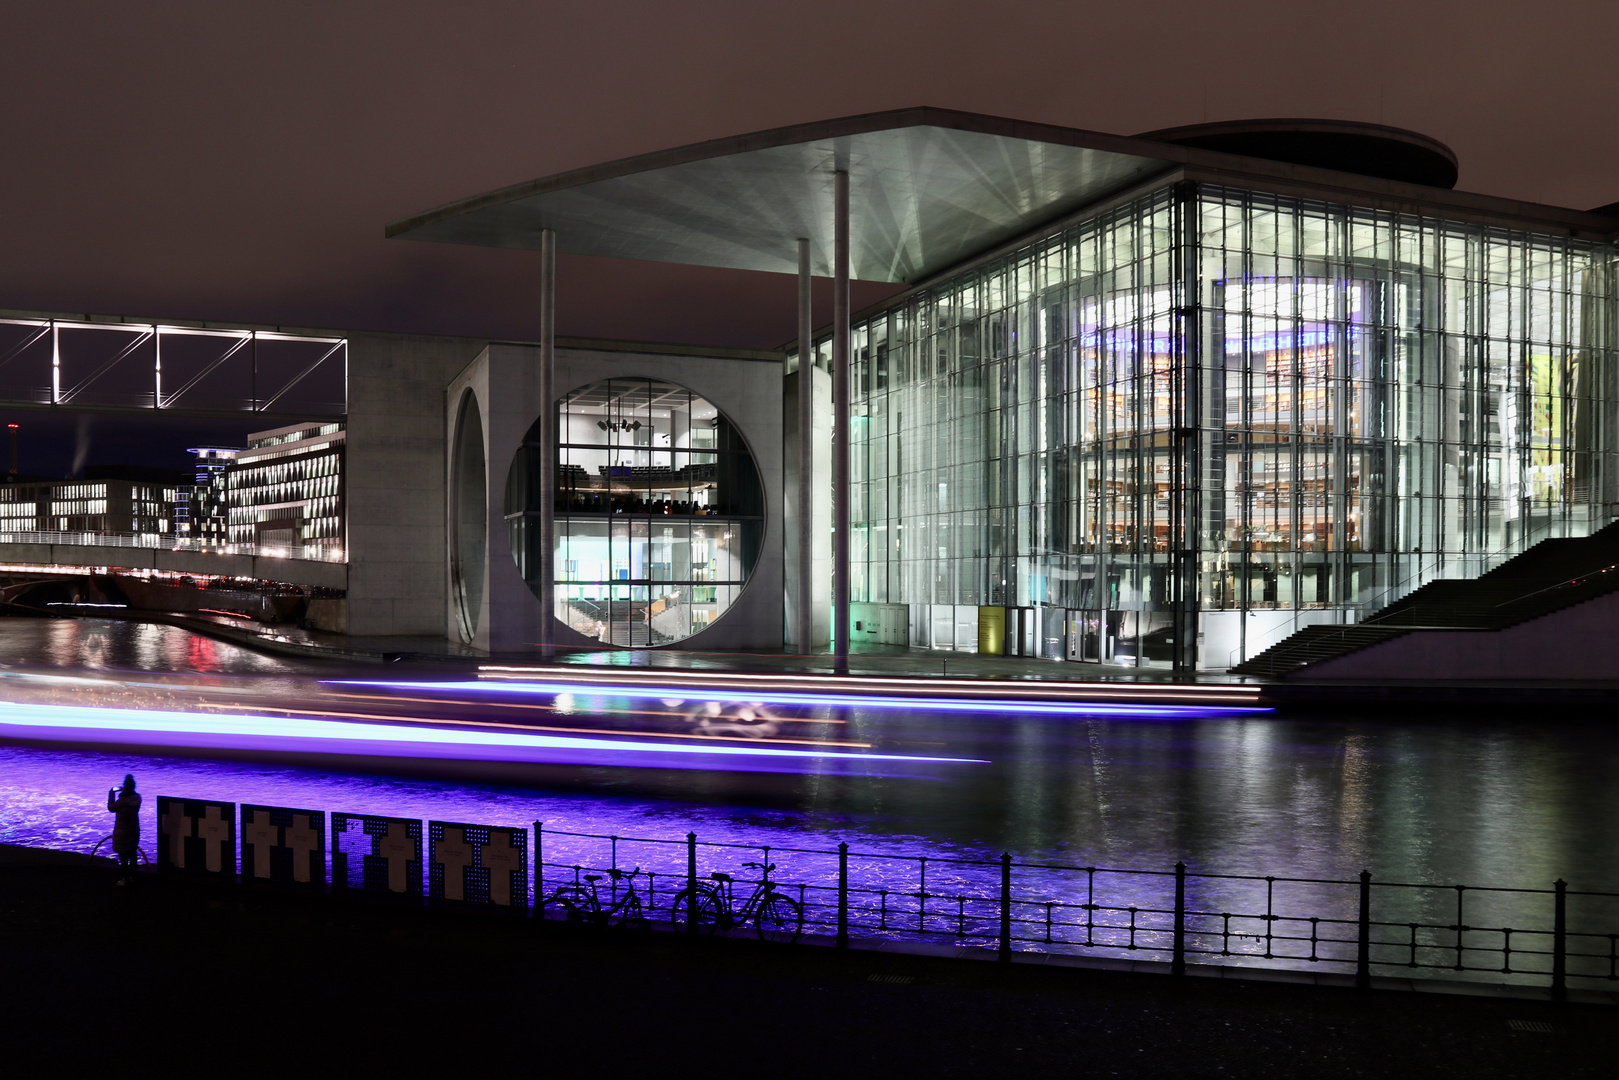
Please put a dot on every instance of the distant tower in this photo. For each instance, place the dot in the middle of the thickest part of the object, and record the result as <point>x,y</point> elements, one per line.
<point>11,429</point>
<point>209,512</point>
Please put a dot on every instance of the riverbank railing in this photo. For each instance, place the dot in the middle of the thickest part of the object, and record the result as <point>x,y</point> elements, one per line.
<point>1357,927</point>
<point>171,542</point>
<point>1179,917</point>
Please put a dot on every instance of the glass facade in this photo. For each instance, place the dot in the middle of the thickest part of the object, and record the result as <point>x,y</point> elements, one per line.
<point>659,512</point>
<point>1183,428</point>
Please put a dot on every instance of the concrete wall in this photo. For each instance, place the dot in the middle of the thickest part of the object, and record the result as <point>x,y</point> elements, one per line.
<point>820,586</point>
<point>502,381</point>
<point>395,480</point>
<point>1581,642</point>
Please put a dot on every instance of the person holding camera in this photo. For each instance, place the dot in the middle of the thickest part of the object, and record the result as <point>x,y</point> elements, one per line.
<point>125,805</point>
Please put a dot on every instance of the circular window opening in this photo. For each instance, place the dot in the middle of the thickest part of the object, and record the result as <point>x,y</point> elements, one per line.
<point>659,512</point>
<point>468,522</point>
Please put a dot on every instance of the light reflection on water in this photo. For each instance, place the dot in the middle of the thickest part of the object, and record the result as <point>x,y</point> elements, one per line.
<point>1477,800</point>
<point>130,646</point>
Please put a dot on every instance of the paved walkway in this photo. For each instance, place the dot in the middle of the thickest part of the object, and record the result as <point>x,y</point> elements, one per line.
<point>887,661</point>
<point>168,976</point>
<point>867,660</point>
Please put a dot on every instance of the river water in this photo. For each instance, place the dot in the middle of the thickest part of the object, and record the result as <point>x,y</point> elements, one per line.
<point>1493,800</point>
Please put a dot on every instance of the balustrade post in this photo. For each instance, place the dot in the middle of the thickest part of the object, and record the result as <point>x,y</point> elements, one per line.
<point>843,880</point>
<point>1006,908</point>
<point>1560,941</point>
<point>539,870</point>
<point>1178,964</point>
<point>1363,948</point>
<point>691,883</point>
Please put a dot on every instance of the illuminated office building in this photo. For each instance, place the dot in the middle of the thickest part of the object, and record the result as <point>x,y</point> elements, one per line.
<point>207,515</point>
<point>104,506</point>
<point>1252,410</point>
<point>1163,399</point>
<point>286,489</point>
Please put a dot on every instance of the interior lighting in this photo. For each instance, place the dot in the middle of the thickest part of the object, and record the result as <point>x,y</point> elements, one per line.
<point>813,700</point>
<point>153,727</point>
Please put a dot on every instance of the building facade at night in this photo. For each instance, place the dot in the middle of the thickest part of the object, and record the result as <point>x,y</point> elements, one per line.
<point>286,489</point>
<point>208,516</point>
<point>1246,411</point>
<point>1160,400</point>
<point>104,506</point>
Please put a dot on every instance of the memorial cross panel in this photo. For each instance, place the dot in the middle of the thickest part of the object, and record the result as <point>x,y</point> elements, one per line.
<point>478,864</point>
<point>283,845</point>
<point>377,854</point>
<point>197,836</point>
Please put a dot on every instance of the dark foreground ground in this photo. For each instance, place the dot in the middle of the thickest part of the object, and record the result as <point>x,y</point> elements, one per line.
<point>170,978</point>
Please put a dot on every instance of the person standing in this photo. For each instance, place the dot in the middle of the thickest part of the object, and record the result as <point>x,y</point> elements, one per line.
<point>125,805</point>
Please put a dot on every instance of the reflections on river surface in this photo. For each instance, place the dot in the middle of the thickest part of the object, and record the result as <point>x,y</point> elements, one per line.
<point>1480,800</point>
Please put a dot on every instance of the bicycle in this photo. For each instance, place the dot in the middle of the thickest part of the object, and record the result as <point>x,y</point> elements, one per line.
<point>714,906</point>
<point>583,904</point>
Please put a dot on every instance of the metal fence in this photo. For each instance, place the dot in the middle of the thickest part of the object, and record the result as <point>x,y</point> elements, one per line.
<point>1179,917</point>
<point>1359,927</point>
<point>169,542</point>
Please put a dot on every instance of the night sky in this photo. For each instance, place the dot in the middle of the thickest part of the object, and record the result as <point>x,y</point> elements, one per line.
<point>239,162</point>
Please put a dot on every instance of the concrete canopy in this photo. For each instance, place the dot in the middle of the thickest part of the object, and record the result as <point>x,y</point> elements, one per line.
<point>929,188</point>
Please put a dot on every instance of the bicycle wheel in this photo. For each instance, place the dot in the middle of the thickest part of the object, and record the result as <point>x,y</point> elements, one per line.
<point>779,916</point>
<point>707,910</point>
<point>631,916</point>
<point>571,902</point>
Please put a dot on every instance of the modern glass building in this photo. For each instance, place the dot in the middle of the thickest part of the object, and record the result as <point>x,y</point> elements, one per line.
<point>1210,415</point>
<point>1157,400</point>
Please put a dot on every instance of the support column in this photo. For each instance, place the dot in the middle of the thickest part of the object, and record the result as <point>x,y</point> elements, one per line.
<point>842,411</point>
<point>806,454</point>
<point>548,441</point>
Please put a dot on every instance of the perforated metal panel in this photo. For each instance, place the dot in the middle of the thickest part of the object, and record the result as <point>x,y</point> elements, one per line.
<point>196,836</point>
<point>284,846</point>
<point>478,864</point>
<point>378,854</point>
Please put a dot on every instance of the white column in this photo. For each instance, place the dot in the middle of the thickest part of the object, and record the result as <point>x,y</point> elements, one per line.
<point>546,572</point>
<point>841,428</point>
<point>806,454</point>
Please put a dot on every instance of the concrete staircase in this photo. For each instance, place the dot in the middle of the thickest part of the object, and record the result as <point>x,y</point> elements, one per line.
<point>1552,575</point>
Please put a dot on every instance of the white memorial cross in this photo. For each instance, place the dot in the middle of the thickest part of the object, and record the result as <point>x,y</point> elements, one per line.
<point>215,833</point>
<point>501,860</point>
<point>400,850</point>
<point>263,836</point>
<point>304,839</point>
<point>176,825</point>
<point>456,855</point>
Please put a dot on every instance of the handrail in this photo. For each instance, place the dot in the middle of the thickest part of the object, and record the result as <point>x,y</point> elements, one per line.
<point>169,542</point>
<point>1575,580</point>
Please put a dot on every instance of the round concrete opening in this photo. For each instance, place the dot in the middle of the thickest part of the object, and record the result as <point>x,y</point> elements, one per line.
<point>469,522</point>
<point>660,513</point>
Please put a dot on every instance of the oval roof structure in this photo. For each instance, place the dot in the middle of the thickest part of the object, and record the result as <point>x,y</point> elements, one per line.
<point>1343,145</point>
<point>932,189</point>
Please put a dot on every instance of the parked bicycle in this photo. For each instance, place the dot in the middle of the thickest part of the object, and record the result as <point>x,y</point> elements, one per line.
<point>714,906</point>
<point>582,903</point>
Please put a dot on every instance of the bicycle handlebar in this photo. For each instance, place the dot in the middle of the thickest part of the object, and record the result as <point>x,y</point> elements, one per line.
<point>759,866</point>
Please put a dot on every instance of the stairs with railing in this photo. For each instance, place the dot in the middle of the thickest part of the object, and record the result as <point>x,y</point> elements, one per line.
<point>1552,575</point>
